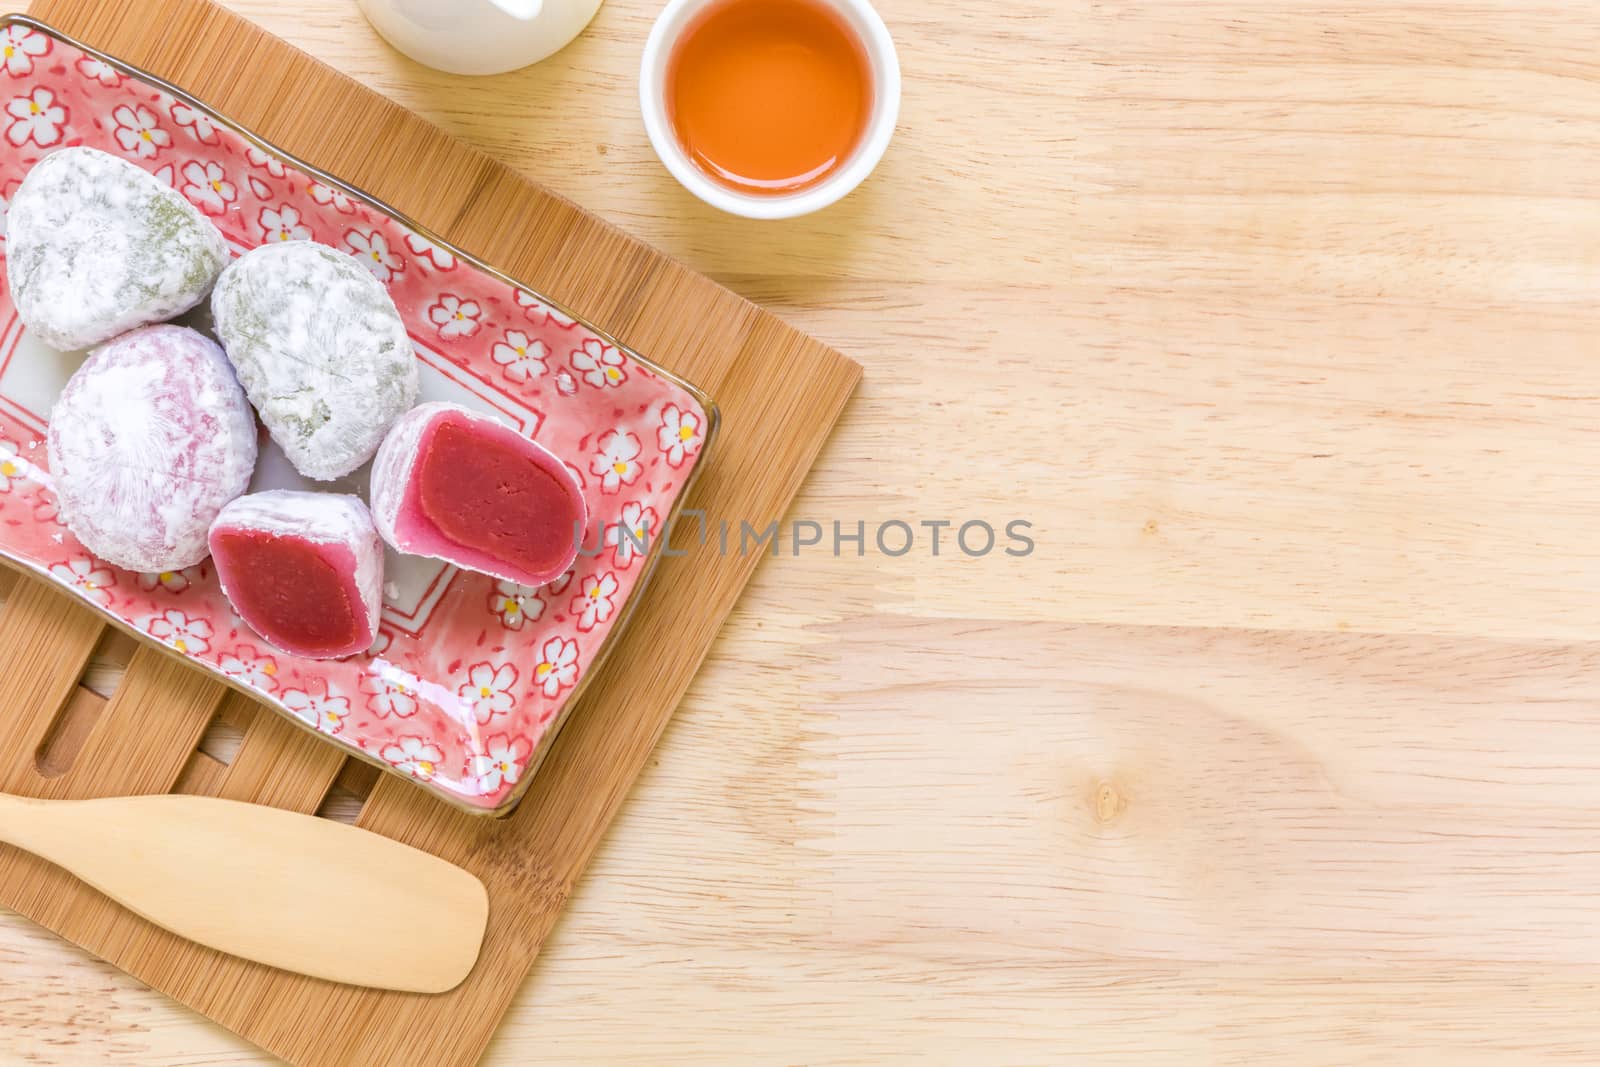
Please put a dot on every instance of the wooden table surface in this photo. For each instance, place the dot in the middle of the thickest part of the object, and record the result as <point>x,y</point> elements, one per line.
<point>1277,322</point>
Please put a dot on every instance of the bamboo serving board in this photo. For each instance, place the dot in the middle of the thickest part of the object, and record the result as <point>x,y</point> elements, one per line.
<point>779,392</point>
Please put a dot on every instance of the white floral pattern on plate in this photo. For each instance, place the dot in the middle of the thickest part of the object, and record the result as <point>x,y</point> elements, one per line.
<point>100,71</point>
<point>248,667</point>
<point>489,690</point>
<point>207,186</point>
<point>88,577</point>
<point>596,602</point>
<point>172,581</point>
<point>617,461</point>
<point>501,763</point>
<point>521,357</point>
<point>13,468</point>
<point>271,164</point>
<point>439,257</point>
<point>600,365</point>
<point>371,249</point>
<point>558,669</point>
<point>463,693</point>
<point>35,117</point>
<point>680,435</point>
<point>20,46</point>
<point>138,132</point>
<point>455,317</point>
<point>188,635</point>
<point>389,693</point>
<point>324,712</point>
<point>516,604</point>
<point>196,122</point>
<point>335,198</point>
<point>282,224</point>
<point>629,537</point>
<point>414,756</point>
<point>539,313</point>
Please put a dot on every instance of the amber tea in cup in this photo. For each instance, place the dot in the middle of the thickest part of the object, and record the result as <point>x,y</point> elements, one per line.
<point>769,97</point>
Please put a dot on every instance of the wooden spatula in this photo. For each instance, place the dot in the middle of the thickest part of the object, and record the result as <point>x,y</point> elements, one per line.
<point>289,890</point>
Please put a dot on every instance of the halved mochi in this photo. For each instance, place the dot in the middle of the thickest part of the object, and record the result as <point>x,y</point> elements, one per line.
<point>455,485</point>
<point>304,570</point>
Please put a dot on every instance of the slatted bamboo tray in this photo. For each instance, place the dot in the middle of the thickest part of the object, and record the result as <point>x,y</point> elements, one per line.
<point>780,393</point>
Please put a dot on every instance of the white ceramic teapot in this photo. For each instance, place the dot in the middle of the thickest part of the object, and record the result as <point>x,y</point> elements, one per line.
<point>479,36</point>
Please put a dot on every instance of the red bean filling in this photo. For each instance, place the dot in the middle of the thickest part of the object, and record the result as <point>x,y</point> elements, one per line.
<point>485,494</point>
<point>293,591</point>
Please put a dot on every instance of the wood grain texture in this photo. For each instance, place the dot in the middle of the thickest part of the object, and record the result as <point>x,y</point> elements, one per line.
<point>779,391</point>
<point>1276,320</point>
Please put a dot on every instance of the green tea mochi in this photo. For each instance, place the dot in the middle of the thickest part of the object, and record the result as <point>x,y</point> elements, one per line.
<point>320,349</point>
<point>95,246</point>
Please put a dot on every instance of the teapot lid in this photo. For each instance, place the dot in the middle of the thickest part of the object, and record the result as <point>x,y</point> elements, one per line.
<point>520,9</point>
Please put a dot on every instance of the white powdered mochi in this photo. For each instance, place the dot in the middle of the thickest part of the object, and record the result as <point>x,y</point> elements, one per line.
<point>96,246</point>
<point>321,350</point>
<point>147,442</point>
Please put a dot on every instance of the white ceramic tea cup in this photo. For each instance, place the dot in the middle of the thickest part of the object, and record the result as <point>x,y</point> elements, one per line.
<point>882,61</point>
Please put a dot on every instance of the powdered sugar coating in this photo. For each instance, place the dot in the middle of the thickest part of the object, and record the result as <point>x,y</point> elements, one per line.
<point>147,442</point>
<point>95,246</point>
<point>391,469</point>
<point>320,518</point>
<point>320,349</point>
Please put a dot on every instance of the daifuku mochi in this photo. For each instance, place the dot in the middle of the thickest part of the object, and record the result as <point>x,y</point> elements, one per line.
<point>304,570</point>
<point>462,487</point>
<point>147,442</point>
<point>96,246</point>
<point>321,350</point>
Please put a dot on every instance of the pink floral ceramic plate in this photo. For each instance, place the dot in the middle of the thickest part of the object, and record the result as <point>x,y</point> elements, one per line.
<point>470,677</point>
